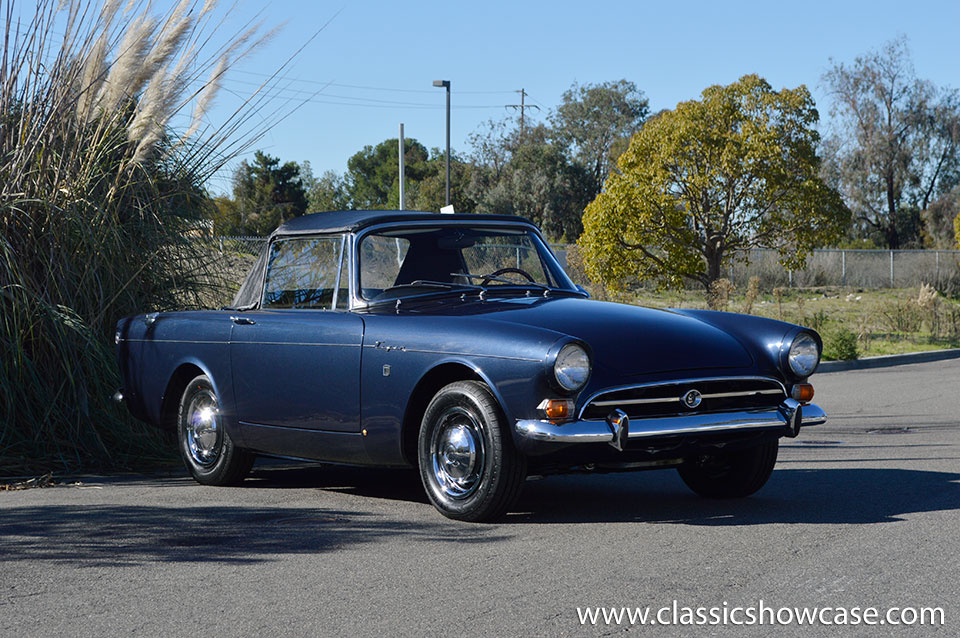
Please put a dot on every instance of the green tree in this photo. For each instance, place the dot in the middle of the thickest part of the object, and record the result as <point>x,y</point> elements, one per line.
<point>956,229</point>
<point>267,194</point>
<point>429,193</point>
<point>529,175</point>
<point>226,216</point>
<point>592,119</point>
<point>325,193</point>
<point>699,185</point>
<point>373,174</point>
<point>939,219</point>
<point>897,142</point>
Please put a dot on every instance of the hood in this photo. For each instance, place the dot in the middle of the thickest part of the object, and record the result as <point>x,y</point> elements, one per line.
<point>631,340</point>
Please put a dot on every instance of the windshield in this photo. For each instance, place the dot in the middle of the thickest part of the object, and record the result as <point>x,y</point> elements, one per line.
<point>410,261</point>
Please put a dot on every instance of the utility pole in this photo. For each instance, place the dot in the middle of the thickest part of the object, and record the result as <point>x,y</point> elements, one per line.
<point>522,106</point>
<point>401,166</point>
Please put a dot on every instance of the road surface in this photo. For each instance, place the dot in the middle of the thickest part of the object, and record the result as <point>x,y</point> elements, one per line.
<point>860,512</point>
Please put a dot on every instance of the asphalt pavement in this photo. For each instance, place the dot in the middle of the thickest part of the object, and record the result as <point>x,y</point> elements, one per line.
<point>861,512</point>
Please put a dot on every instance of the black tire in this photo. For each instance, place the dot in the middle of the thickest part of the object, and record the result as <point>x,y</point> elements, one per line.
<point>731,475</point>
<point>205,447</point>
<point>469,466</point>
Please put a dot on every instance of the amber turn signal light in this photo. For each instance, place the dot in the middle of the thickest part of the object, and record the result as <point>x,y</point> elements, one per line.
<point>803,392</point>
<point>556,408</point>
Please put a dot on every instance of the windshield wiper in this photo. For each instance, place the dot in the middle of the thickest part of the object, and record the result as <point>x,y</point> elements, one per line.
<point>505,281</point>
<point>427,283</point>
<point>439,286</point>
<point>249,306</point>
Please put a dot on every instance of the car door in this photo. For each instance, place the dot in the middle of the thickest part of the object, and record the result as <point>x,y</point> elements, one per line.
<point>296,359</point>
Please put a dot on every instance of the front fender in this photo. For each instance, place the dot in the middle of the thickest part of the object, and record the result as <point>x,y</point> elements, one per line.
<point>767,337</point>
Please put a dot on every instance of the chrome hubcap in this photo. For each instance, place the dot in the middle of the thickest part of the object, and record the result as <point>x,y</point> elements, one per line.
<point>456,449</point>
<point>203,428</point>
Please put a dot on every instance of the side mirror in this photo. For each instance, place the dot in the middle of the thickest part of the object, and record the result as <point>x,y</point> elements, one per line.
<point>583,290</point>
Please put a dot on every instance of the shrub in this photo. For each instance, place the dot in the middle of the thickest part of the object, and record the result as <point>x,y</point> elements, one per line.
<point>97,198</point>
<point>753,291</point>
<point>928,301</point>
<point>901,315</point>
<point>719,296</point>
<point>840,344</point>
<point>778,294</point>
<point>817,320</point>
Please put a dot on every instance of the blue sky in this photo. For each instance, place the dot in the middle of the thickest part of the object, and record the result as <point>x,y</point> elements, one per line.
<point>672,51</point>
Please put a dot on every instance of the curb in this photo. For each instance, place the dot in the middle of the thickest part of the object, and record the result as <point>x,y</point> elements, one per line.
<point>887,360</point>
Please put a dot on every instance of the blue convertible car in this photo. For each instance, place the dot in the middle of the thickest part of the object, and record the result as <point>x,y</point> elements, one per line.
<point>458,345</point>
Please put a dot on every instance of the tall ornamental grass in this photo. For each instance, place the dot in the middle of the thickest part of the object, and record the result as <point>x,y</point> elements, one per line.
<point>100,204</point>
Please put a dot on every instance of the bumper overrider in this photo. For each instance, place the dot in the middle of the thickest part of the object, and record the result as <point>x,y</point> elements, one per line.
<point>618,428</point>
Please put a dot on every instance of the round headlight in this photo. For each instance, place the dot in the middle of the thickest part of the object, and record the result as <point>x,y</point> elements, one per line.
<point>572,367</point>
<point>804,355</point>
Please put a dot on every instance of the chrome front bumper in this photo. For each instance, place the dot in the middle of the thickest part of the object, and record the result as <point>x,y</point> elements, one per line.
<point>789,417</point>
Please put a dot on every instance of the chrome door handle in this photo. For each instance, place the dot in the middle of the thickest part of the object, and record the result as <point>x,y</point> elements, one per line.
<point>243,321</point>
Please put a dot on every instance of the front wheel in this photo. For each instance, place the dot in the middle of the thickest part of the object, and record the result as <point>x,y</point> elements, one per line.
<point>206,448</point>
<point>731,474</point>
<point>468,464</point>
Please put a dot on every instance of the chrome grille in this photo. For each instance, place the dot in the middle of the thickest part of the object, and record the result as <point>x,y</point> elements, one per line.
<point>666,398</point>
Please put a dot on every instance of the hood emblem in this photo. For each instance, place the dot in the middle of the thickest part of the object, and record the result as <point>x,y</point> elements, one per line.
<point>692,398</point>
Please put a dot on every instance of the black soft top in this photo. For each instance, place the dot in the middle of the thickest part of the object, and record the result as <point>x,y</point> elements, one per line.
<point>346,221</point>
<point>353,220</point>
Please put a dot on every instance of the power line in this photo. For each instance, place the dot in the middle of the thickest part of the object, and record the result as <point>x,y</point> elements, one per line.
<point>274,88</point>
<point>279,92</point>
<point>536,100</point>
<point>366,87</point>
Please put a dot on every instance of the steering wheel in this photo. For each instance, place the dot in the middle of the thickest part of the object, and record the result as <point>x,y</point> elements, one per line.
<point>503,271</point>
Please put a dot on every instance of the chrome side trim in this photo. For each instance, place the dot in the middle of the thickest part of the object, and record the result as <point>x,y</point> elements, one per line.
<point>246,343</point>
<point>294,343</point>
<point>450,353</point>
<point>654,384</point>
<point>213,343</point>
<point>600,431</point>
<point>335,345</point>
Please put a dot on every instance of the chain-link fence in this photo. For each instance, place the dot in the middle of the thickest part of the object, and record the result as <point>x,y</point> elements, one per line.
<point>856,268</point>
<point>242,245</point>
<point>827,267</point>
<point>234,256</point>
<point>842,267</point>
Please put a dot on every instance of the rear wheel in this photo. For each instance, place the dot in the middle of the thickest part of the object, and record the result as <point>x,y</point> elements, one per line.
<point>206,448</point>
<point>732,474</point>
<point>468,463</point>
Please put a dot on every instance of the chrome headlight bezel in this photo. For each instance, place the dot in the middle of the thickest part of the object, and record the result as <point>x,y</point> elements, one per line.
<point>802,357</point>
<point>563,376</point>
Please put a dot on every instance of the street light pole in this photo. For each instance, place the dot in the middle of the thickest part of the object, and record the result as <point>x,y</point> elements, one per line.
<point>446,84</point>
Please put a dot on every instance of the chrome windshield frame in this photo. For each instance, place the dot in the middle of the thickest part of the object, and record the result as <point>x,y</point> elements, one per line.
<point>549,261</point>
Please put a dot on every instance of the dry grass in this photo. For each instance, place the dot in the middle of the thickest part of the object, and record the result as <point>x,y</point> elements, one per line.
<point>888,321</point>
<point>26,483</point>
